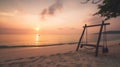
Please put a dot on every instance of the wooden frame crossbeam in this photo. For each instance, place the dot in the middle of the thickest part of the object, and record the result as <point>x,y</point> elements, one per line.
<point>96,25</point>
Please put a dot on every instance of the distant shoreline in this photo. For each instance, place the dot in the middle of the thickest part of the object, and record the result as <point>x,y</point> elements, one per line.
<point>22,46</point>
<point>110,32</point>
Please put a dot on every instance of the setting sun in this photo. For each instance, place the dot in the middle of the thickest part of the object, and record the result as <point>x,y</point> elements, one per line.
<point>37,28</point>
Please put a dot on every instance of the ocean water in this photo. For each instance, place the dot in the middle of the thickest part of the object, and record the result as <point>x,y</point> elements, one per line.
<point>36,39</point>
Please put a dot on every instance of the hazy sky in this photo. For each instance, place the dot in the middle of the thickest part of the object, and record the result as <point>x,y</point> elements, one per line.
<point>51,16</point>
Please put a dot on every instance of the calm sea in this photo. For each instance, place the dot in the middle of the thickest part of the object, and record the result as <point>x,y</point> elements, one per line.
<point>36,39</point>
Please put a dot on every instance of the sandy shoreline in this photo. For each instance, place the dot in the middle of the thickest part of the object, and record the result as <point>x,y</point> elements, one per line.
<point>60,56</point>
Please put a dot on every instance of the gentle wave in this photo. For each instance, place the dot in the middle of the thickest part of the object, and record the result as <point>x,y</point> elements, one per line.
<point>21,46</point>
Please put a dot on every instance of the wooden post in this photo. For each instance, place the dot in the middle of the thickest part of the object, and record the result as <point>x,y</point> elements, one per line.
<point>79,43</point>
<point>99,38</point>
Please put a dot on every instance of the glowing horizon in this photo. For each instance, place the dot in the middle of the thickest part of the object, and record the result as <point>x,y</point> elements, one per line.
<point>52,17</point>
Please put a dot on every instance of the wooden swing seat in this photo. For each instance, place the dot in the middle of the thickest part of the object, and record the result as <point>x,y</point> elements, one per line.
<point>91,45</point>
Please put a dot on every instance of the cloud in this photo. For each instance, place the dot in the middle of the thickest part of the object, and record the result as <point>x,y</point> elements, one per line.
<point>6,14</point>
<point>43,13</point>
<point>60,28</point>
<point>13,13</point>
<point>51,10</point>
<point>56,6</point>
<point>15,31</point>
<point>19,11</point>
<point>67,28</point>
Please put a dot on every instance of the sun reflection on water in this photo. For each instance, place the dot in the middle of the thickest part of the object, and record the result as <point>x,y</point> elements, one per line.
<point>37,39</point>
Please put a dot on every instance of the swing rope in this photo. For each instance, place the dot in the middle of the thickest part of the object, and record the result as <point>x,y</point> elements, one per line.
<point>105,49</point>
<point>86,40</point>
<point>105,37</point>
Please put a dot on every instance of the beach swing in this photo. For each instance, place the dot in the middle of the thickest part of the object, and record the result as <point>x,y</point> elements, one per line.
<point>102,33</point>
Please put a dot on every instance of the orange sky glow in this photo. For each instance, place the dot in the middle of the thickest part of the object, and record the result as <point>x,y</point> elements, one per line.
<point>48,16</point>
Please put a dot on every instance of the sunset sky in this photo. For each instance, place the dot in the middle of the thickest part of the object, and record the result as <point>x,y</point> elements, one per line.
<point>50,16</point>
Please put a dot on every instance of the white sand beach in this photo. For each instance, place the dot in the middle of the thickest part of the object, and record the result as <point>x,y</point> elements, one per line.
<point>60,56</point>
